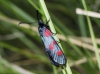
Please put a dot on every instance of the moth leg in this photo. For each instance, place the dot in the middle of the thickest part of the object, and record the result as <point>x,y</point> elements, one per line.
<point>54,34</point>
<point>26,23</point>
<point>58,42</point>
<point>47,21</point>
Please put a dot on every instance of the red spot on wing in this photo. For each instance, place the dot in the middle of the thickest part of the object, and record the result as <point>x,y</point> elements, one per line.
<point>47,32</point>
<point>51,47</point>
<point>54,42</point>
<point>59,52</point>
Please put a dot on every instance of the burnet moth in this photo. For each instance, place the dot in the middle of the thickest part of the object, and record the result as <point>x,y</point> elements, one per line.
<point>53,50</point>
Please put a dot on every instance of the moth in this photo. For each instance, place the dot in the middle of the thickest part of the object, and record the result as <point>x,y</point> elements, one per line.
<point>52,47</point>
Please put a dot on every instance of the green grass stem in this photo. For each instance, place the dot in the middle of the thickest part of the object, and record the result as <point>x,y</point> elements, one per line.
<point>52,29</point>
<point>92,35</point>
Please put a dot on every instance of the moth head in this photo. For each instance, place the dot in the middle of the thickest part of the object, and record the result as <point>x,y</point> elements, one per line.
<point>41,23</point>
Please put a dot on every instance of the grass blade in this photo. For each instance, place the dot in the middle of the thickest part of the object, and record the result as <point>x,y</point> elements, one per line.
<point>92,35</point>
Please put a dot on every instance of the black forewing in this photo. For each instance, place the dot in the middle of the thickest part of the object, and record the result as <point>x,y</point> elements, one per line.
<point>54,57</point>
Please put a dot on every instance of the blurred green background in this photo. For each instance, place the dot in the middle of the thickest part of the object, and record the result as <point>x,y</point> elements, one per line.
<point>21,47</point>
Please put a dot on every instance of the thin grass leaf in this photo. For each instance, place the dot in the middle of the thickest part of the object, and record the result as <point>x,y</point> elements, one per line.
<point>92,35</point>
<point>50,23</point>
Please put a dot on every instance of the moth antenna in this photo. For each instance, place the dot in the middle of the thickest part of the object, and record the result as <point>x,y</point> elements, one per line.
<point>37,15</point>
<point>20,23</point>
<point>26,23</point>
